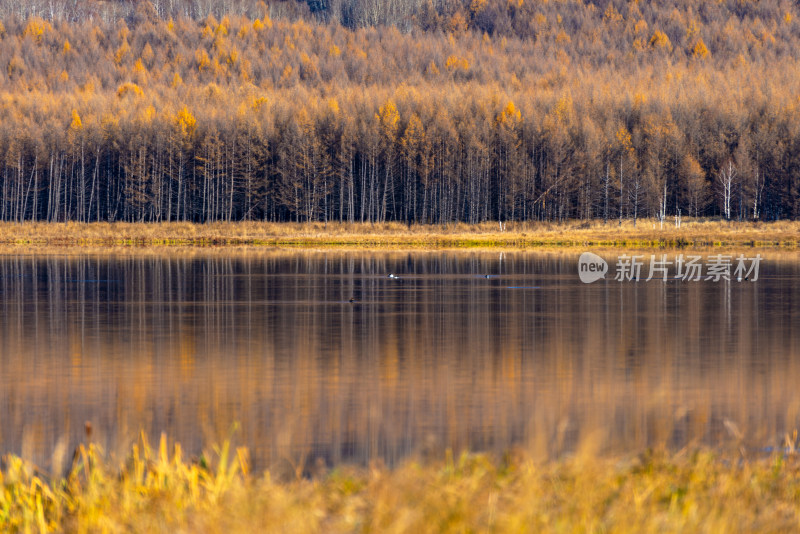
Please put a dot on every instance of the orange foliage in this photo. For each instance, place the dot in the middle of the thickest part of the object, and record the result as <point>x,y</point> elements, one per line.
<point>37,28</point>
<point>700,51</point>
<point>659,40</point>
<point>129,89</point>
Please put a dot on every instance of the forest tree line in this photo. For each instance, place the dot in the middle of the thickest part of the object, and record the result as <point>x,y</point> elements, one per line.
<point>597,110</point>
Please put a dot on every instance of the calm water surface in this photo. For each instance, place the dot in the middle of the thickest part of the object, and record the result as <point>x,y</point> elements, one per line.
<point>441,357</point>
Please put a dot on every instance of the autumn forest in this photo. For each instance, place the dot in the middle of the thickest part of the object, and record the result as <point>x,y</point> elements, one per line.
<point>388,110</point>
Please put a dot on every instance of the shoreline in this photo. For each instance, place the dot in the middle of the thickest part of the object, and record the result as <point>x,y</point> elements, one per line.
<point>519,236</point>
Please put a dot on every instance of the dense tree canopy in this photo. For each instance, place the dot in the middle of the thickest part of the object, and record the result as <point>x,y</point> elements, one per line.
<point>386,110</point>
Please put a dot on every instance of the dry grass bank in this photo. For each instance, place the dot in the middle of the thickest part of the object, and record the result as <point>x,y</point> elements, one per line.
<point>647,233</point>
<point>157,490</point>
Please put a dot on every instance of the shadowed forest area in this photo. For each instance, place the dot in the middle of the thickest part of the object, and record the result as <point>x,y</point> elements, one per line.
<point>382,110</point>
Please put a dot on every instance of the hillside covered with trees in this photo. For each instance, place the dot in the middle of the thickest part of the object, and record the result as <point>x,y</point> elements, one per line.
<point>412,111</point>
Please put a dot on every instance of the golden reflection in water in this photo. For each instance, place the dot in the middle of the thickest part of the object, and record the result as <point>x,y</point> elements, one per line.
<point>442,357</point>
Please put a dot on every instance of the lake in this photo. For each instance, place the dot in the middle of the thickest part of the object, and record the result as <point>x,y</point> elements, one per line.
<point>463,350</point>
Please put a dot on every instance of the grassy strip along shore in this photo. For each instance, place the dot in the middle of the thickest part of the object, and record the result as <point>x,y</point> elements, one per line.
<point>157,490</point>
<point>647,233</point>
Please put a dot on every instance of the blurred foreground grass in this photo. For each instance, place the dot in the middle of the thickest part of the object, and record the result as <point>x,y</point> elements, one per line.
<point>158,490</point>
